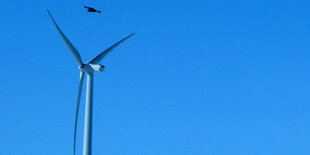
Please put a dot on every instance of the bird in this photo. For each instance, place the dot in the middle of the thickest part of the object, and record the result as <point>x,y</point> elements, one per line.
<point>91,9</point>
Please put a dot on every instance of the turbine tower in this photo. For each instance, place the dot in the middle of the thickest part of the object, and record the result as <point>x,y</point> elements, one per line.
<point>90,68</point>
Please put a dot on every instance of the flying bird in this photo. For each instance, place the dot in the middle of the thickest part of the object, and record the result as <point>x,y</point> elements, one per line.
<point>91,9</point>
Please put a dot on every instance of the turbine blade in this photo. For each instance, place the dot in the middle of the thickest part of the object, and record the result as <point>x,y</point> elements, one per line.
<point>99,57</point>
<point>72,49</point>
<point>77,109</point>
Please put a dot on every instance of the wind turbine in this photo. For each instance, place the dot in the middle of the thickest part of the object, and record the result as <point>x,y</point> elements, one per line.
<point>90,68</point>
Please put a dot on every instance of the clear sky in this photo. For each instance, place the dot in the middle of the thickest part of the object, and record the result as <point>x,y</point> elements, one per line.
<point>198,77</point>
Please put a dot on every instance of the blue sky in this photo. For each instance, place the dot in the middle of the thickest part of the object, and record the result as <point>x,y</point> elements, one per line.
<point>198,77</point>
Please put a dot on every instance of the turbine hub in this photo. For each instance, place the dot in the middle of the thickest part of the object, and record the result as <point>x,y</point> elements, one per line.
<point>92,68</point>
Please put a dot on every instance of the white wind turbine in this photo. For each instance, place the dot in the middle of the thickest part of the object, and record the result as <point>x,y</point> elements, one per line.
<point>90,67</point>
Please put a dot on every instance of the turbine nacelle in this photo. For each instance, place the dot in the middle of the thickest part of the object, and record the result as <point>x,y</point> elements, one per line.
<point>92,68</point>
